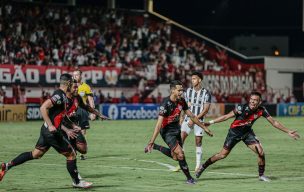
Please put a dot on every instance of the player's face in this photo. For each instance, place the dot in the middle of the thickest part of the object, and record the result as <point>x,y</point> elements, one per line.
<point>254,102</point>
<point>77,76</point>
<point>74,89</point>
<point>195,80</point>
<point>178,91</point>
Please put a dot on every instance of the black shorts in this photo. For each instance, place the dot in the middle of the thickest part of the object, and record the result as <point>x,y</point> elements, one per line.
<point>172,137</point>
<point>233,137</point>
<point>83,117</point>
<point>55,140</point>
<point>80,140</point>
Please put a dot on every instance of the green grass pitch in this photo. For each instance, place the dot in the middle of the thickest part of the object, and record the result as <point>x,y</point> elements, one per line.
<point>116,161</point>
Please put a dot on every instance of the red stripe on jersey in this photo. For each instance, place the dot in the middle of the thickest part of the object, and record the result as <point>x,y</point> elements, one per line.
<point>73,108</point>
<point>58,119</point>
<point>172,116</point>
<point>248,120</point>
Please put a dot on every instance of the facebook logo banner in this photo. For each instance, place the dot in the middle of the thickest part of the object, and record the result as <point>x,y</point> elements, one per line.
<point>130,111</point>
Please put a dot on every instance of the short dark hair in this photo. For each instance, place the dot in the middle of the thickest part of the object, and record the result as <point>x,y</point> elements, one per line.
<point>174,83</point>
<point>256,93</point>
<point>66,78</point>
<point>199,74</point>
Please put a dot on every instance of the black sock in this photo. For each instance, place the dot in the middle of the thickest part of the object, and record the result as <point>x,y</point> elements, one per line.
<point>261,170</point>
<point>163,150</point>
<point>184,166</point>
<point>72,169</point>
<point>207,163</point>
<point>23,157</point>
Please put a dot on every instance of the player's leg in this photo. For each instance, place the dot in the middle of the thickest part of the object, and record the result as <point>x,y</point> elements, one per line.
<point>198,132</point>
<point>81,144</point>
<point>41,148</point>
<point>231,140</point>
<point>84,124</point>
<point>178,151</point>
<point>64,147</point>
<point>254,144</point>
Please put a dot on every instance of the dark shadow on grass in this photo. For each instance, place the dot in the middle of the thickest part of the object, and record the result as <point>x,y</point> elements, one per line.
<point>103,156</point>
<point>89,189</point>
<point>100,175</point>
<point>226,178</point>
<point>228,166</point>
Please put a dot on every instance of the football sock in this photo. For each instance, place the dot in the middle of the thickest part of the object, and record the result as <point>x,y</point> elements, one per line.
<point>184,166</point>
<point>72,169</point>
<point>199,152</point>
<point>207,163</point>
<point>261,170</point>
<point>163,150</point>
<point>23,157</point>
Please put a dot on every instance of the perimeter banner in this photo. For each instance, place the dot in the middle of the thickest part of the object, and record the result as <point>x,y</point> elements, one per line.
<point>34,76</point>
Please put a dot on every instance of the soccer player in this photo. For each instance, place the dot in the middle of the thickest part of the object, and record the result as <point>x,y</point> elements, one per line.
<point>169,128</point>
<point>72,120</point>
<point>241,130</point>
<point>84,90</point>
<point>52,111</point>
<point>198,99</point>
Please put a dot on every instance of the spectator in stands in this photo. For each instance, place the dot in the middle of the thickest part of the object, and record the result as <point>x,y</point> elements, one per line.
<point>123,99</point>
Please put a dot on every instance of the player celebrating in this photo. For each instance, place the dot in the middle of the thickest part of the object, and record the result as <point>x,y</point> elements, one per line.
<point>198,99</point>
<point>241,129</point>
<point>71,120</point>
<point>52,111</point>
<point>86,93</point>
<point>168,127</point>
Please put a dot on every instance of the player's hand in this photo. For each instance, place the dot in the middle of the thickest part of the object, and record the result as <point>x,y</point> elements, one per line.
<point>149,148</point>
<point>52,128</point>
<point>206,124</point>
<point>190,123</point>
<point>208,132</point>
<point>102,117</point>
<point>71,133</point>
<point>76,128</point>
<point>294,134</point>
<point>92,116</point>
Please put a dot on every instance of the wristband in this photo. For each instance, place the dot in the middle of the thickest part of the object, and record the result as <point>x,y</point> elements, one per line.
<point>211,122</point>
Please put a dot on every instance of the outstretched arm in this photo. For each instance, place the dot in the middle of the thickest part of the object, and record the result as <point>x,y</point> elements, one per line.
<point>196,121</point>
<point>221,118</point>
<point>155,133</point>
<point>281,127</point>
<point>93,111</point>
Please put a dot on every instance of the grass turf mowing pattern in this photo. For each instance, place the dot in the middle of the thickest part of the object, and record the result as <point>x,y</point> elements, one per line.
<point>116,161</point>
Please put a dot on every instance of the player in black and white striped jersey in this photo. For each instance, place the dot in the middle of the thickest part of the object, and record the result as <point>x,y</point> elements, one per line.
<point>198,99</point>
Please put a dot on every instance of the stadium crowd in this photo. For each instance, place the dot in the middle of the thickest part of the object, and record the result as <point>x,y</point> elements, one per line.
<point>144,49</point>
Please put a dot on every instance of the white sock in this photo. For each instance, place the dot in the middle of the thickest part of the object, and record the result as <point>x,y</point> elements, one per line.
<point>199,152</point>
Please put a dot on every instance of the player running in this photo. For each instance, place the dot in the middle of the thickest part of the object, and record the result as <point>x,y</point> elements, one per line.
<point>53,111</point>
<point>169,128</point>
<point>241,130</point>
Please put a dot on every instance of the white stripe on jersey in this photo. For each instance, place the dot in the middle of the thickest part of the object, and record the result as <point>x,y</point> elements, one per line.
<point>197,99</point>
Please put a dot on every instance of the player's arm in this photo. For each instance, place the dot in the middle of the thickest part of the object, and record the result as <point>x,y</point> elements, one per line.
<point>91,110</point>
<point>182,117</point>
<point>280,126</point>
<point>45,115</point>
<point>221,118</point>
<point>89,94</point>
<point>206,107</point>
<point>71,133</point>
<point>155,133</point>
<point>196,121</point>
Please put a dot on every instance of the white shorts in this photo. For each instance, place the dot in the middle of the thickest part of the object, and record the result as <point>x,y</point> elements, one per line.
<point>198,131</point>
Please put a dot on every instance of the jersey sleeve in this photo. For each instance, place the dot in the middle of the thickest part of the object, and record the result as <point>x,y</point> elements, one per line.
<point>207,98</point>
<point>163,110</point>
<point>265,113</point>
<point>185,105</point>
<point>88,90</point>
<point>238,109</point>
<point>57,98</point>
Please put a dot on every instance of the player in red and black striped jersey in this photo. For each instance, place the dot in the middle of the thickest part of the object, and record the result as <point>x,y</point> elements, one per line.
<point>53,111</point>
<point>241,130</point>
<point>71,121</point>
<point>169,128</point>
